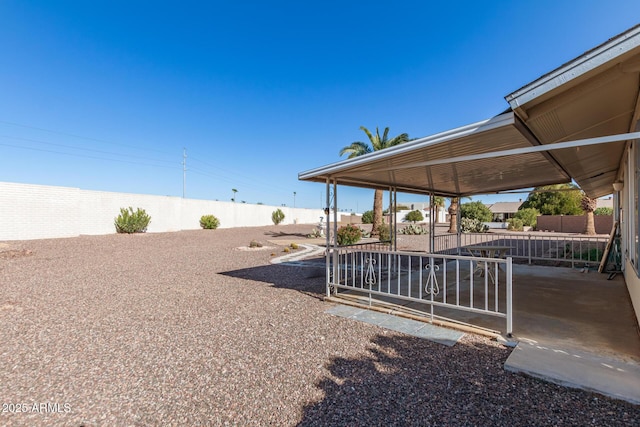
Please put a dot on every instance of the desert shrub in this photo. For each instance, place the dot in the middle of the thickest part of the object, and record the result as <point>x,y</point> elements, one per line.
<point>414,216</point>
<point>367,217</point>
<point>286,250</point>
<point>476,210</point>
<point>528,216</point>
<point>293,246</point>
<point>349,235</point>
<point>315,233</point>
<point>277,216</point>
<point>603,211</point>
<point>515,224</point>
<point>209,222</point>
<point>255,244</point>
<point>470,225</point>
<point>413,229</point>
<point>130,221</point>
<point>384,232</point>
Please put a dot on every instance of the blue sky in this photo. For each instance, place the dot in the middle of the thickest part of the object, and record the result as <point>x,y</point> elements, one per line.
<point>104,95</point>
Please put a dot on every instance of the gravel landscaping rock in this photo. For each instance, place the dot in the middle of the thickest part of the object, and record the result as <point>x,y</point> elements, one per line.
<point>186,329</point>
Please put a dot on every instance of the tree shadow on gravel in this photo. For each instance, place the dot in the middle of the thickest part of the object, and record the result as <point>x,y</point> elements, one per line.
<point>303,279</point>
<point>411,381</point>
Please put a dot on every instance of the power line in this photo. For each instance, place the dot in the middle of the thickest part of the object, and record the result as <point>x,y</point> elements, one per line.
<point>82,137</point>
<point>82,148</point>
<point>86,156</point>
<point>255,181</point>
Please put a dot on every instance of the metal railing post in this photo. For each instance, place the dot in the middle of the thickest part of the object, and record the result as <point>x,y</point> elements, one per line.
<point>529,249</point>
<point>509,301</point>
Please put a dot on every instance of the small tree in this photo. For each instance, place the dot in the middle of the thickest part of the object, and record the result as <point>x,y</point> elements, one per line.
<point>367,217</point>
<point>528,216</point>
<point>559,199</point>
<point>476,210</point>
<point>414,216</point>
<point>277,216</point>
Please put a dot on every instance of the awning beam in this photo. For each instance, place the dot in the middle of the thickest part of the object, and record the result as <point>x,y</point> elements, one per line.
<point>517,151</point>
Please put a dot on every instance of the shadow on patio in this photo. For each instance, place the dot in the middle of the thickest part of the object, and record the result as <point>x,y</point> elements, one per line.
<point>554,305</point>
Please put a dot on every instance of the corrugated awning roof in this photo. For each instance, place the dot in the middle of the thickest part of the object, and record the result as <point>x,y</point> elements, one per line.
<point>595,95</point>
<point>403,166</point>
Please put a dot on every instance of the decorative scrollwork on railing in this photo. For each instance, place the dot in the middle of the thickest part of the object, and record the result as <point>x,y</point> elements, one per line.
<point>370,277</point>
<point>431,286</point>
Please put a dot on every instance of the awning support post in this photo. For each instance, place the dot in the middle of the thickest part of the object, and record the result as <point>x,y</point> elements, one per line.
<point>328,237</point>
<point>432,224</point>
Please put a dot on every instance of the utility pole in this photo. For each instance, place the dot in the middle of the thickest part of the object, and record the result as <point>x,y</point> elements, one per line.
<point>184,171</point>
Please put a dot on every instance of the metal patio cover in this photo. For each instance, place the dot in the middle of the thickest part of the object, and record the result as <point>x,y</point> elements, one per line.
<point>591,96</point>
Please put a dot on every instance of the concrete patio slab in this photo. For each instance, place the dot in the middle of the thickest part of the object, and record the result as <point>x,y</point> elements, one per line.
<point>578,369</point>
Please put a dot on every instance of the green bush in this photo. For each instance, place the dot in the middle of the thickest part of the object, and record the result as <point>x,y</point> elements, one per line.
<point>367,217</point>
<point>593,254</point>
<point>414,216</point>
<point>384,233</point>
<point>528,216</point>
<point>277,216</point>
<point>603,211</point>
<point>476,210</point>
<point>130,221</point>
<point>470,225</point>
<point>413,229</point>
<point>349,235</point>
<point>515,224</point>
<point>209,222</point>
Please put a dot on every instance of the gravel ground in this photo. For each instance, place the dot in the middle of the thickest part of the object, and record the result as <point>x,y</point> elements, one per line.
<point>185,329</point>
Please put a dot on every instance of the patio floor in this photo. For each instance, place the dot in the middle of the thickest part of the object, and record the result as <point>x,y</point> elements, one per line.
<point>558,306</point>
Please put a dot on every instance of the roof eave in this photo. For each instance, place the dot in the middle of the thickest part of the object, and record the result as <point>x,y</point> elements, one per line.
<point>585,63</point>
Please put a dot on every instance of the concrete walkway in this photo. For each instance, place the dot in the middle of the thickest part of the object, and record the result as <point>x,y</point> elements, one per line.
<point>577,369</point>
<point>308,251</point>
<point>411,327</point>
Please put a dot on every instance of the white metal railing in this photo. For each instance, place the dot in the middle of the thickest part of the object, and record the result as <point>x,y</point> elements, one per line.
<point>463,283</point>
<point>560,248</point>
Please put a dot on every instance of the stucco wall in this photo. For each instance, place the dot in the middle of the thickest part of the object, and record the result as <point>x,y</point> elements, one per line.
<point>38,212</point>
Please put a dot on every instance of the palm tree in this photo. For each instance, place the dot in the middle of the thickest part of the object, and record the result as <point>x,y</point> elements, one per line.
<point>589,205</point>
<point>358,148</point>
<point>453,213</point>
<point>438,202</point>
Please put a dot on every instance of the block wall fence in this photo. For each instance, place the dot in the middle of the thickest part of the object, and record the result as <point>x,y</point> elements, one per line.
<point>41,212</point>
<point>574,223</point>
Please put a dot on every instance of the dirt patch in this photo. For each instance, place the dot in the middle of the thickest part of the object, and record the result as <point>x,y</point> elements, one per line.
<point>15,253</point>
